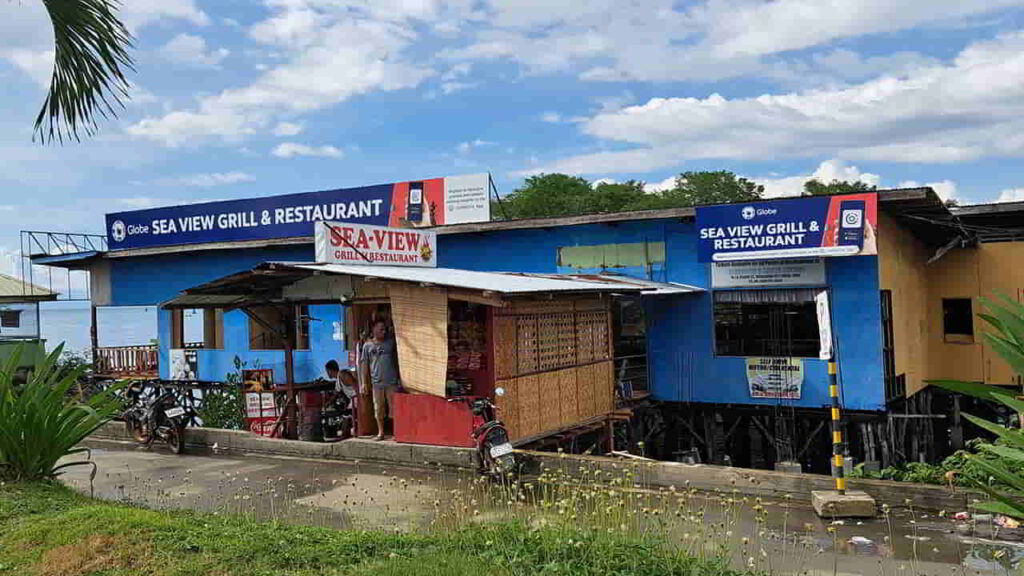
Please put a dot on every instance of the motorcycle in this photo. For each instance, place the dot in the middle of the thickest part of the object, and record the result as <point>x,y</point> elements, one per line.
<point>336,418</point>
<point>495,456</point>
<point>158,416</point>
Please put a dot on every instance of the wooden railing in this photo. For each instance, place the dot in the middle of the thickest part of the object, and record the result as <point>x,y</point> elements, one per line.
<point>124,361</point>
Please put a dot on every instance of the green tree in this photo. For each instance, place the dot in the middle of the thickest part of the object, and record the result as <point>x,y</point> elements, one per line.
<point>710,187</point>
<point>90,58</point>
<point>548,195</point>
<point>620,197</point>
<point>815,187</point>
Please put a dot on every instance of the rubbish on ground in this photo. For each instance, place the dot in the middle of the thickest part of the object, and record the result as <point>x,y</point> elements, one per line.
<point>1007,522</point>
<point>983,517</point>
<point>861,541</point>
<point>838,523</point>
<point>918,538</point>
<point>962,516</point>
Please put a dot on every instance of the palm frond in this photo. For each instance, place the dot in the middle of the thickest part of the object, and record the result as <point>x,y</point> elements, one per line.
<point>90,60</point>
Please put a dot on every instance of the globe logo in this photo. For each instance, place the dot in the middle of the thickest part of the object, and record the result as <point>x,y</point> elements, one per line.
<point>748,213</point>
<point>118,231</point>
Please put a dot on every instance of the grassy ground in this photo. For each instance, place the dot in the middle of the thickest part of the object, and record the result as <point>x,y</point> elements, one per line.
<point>47,529</point>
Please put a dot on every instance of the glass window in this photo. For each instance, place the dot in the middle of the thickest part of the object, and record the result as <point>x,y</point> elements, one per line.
<point>775,323</point>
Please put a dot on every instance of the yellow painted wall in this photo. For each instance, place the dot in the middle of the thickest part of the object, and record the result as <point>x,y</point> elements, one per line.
<point>921,349</point>
<point>901,261</point>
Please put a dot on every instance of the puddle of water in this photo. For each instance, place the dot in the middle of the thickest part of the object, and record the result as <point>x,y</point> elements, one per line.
<point>779,535</point>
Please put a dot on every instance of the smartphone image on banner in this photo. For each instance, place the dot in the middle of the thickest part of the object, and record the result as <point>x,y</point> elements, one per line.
<point>851,223</point>
<point>414,208</point>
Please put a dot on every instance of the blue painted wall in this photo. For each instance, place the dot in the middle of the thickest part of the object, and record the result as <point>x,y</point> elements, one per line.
<point>680,333</point>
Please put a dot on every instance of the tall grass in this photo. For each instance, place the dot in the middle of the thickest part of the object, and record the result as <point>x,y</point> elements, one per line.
<point>40,423</point>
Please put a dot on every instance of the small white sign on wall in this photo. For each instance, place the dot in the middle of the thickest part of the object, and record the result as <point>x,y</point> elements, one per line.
<point>768,273</point>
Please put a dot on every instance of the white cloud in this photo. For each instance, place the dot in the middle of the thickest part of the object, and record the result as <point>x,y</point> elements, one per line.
<point>826,172</point>
<point>38,64</point>
<point>209,179</point>
<point>968,109</point>
<point>467,147</point>
<point>658,40</point>
<point>450,87</point>
<point>138,13</point>
<point>292,149</point>
<point>551,117</point>
<point>332,53</point>
<point>287,129</point>
<point>755,28</point>
<point>1011,195</point>
<point>666,184</point>
<point>191,51</point>
<point>946,189</point>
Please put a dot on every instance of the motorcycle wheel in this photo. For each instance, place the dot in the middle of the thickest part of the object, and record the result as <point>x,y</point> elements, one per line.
<point>501,469</point>
<point>136,429</point>
<point>176,439</point>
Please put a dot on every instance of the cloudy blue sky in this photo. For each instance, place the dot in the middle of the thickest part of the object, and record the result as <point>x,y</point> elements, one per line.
<point>241,98</point>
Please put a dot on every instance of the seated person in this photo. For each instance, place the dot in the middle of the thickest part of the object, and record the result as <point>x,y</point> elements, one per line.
<point>342,380</point>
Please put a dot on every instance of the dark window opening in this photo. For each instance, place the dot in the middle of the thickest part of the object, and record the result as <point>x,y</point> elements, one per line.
<point>10,318</point>
<point>284,320</point>
<point>774,323</point>
<point>957,320</point>
<point>895,385</point>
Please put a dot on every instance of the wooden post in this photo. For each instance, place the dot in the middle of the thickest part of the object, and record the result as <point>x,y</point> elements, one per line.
<point>288,338</point>
<point>94,338</point>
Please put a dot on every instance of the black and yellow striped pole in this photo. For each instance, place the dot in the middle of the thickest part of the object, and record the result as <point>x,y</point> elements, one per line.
<point>837,432</point>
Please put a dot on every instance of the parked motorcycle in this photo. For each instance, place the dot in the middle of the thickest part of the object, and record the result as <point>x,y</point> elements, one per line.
<point>495,456</point>
<point>156,416</point>
<point>336,418</point>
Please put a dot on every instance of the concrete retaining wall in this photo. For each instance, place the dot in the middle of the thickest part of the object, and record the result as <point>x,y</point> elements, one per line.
<point>766,483</point>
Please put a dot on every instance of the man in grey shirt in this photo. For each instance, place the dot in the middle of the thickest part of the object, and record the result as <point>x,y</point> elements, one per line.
<point>380,356</point>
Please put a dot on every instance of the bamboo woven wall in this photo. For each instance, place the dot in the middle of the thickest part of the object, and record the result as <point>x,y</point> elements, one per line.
<point>548,401</point>
<point>421,330</point>
<point>554,360</point>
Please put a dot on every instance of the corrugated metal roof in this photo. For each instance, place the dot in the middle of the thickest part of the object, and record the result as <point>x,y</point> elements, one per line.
<point>649,287</point>
<point>17,290</point>
<point>497,282</point>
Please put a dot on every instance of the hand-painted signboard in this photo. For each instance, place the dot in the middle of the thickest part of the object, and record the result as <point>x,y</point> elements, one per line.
<point>775,377</point>
<point>843,225</point>
<point>345,243</point>
<point>452,200</point>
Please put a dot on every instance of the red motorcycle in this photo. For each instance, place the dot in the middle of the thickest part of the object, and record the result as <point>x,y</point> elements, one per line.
<point>495,456</point>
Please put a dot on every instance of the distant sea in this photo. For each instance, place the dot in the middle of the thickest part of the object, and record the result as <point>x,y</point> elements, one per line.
<point>68,322</point>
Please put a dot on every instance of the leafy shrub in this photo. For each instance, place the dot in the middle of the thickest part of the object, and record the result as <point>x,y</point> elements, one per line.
<point>998,468</point>
<point>40,422</point>
<point>222,407</point>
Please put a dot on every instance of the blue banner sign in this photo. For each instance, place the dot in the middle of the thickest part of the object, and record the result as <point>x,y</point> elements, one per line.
<point>793,228</point>
<point>425,203</point>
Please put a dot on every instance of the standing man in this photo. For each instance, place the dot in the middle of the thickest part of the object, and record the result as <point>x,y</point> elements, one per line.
<point>380,357</point>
